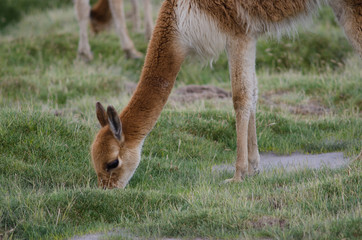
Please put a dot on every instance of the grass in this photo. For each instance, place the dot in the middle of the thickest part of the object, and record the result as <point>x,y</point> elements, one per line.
<point>13,11</point>
<point>310,101</point>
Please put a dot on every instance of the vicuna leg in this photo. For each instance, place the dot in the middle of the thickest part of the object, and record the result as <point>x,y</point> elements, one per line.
<point>253,152</point>
<point>349,16</point>
<point>117,11</point>
<point>241,54</point>
<point>135,16</point>
<point>148,19</point>
<point>82,10</point>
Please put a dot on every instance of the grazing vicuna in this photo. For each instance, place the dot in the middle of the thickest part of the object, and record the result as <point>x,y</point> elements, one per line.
<point>100,17</point>
<point>204,28</point>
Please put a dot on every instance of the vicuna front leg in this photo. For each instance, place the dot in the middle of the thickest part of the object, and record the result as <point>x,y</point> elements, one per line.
<point>82,10</point>
<point>117,10</point>
<point>241,54</point>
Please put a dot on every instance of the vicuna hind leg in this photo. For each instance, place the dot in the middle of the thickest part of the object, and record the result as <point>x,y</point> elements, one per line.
<point>253,152</point>
<point>349,16</point>
<point>82,10</point>
<point>241,55</point>
<point>117,10</point>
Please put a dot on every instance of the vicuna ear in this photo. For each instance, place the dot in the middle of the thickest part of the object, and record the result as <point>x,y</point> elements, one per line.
<point>114,123</point>
<point>101,114</point>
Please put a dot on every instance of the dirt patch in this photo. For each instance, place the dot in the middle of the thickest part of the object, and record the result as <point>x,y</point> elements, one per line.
<point>189,93</point>
<point>193,93</point>
<point>311,107</point>
<point>293,162</point>
<point>267,221</point>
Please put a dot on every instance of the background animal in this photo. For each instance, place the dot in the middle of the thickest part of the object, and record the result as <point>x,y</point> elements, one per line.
<point>101,15</point>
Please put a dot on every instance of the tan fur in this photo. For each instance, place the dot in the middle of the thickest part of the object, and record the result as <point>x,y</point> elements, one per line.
<point>101,15</point>
<point>190,26</point>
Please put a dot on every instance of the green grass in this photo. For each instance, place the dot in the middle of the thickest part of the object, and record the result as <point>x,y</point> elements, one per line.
<point>13,11</point>
<point>310,101</point>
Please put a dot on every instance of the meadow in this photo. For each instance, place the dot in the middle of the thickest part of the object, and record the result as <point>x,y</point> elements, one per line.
<point>310,101</point>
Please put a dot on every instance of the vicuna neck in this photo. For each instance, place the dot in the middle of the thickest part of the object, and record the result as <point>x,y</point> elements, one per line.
<point>162,64</point>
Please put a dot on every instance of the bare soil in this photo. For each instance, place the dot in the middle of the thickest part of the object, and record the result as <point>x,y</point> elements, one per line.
<point>311,107</point>
<point>192,93</point>
<point>189,93</point>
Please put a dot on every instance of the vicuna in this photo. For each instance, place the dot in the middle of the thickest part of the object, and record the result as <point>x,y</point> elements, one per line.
<point>204,28</point>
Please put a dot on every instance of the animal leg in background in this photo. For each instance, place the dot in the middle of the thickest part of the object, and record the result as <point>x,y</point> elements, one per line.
<point>135,16</point>
<point>82,10</point>
<point>101,15</point>
<point>148,19</point>
<point>117,10</point>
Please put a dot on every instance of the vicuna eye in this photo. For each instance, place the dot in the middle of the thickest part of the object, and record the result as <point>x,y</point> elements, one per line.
<point>112,165</point>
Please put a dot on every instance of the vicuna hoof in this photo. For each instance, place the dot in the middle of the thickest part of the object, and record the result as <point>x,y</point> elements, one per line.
<point>85,56</point>
<point>253,172</point>
<point>133,54</point>
<point>233,180</point>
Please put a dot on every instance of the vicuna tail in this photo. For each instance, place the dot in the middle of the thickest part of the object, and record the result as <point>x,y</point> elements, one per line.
<point>100,16</point>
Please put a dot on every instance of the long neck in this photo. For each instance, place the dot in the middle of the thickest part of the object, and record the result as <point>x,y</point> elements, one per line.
<point>162,64</point>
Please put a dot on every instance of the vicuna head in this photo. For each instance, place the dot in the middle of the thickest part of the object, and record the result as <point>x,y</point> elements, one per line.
<point>114,159</point>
